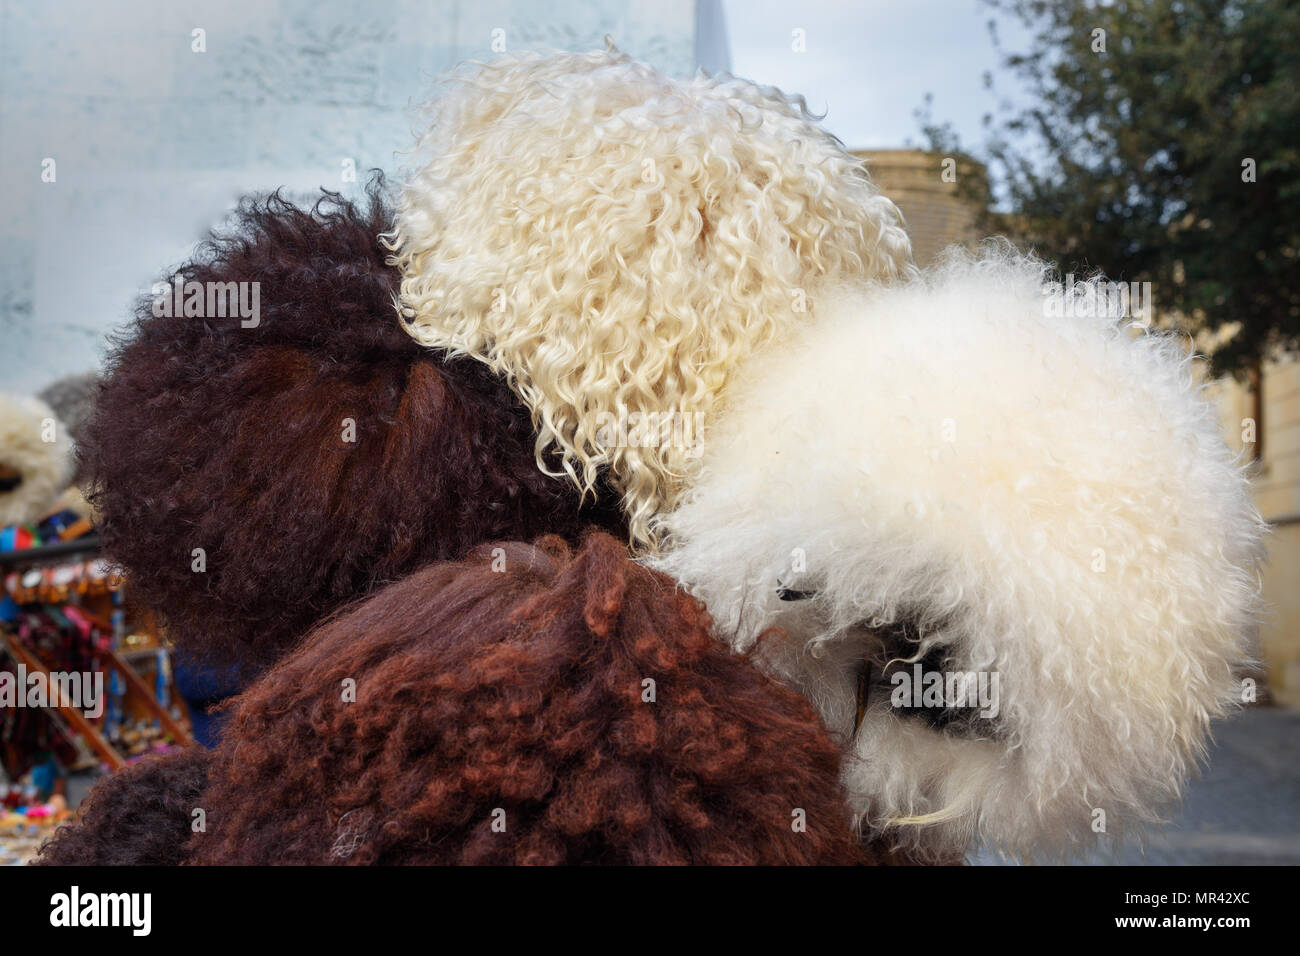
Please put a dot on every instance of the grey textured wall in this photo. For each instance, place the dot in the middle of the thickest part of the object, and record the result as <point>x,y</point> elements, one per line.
<point>153,142</point>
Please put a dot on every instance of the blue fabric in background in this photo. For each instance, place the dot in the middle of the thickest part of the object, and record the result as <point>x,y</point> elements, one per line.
<point>203,688</point>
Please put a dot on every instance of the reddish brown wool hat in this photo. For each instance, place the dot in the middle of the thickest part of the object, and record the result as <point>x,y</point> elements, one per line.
<point>528,705</point>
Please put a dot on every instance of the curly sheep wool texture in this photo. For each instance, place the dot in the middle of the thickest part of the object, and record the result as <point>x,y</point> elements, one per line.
<point>251,480</point>
<point>139,816</point>
<point>529,705</point>
<point>36,461</point>
<point>961,473</point>
<point>615,241</point>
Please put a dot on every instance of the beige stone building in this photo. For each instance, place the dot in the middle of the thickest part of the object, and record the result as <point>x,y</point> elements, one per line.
<point>1264,427</point>
<point>926,192</point>
<point>1274,423</point>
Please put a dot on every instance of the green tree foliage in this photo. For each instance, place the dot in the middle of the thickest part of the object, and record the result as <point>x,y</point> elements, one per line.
<point>1148,121</point>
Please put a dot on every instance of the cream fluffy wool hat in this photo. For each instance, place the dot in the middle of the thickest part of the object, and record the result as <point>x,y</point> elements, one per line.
<point>615,242</point>
<point>35,459</point>
<point>950,472</point>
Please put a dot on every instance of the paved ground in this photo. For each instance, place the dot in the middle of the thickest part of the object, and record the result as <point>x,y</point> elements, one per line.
<point>1243,810</point>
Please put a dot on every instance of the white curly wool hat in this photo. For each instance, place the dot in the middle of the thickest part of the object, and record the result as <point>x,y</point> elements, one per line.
<point>35,459</point>
<point>615,241</point>
<point>950,476</point>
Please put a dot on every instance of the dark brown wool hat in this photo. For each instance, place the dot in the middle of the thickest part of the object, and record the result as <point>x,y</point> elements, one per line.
<point>251,479</point>
<point>137,816</point>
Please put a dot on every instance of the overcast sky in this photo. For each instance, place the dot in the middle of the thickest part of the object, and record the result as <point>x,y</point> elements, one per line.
<point>869,63</point>
<point>154,142</point>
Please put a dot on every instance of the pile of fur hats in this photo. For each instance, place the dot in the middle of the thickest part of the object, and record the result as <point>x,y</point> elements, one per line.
<point>627,496</point>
